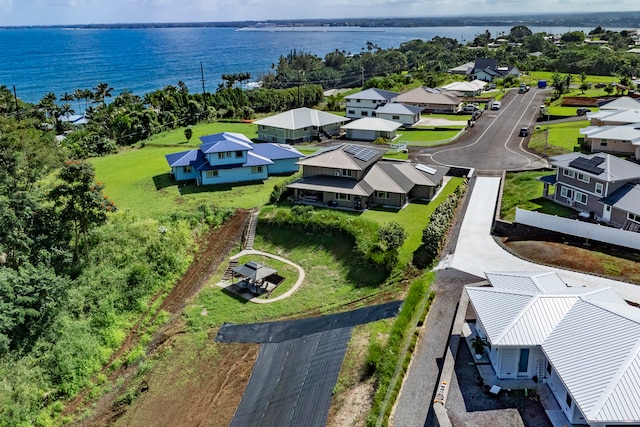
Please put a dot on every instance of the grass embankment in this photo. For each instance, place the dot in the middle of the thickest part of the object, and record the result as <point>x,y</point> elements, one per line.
<point>523,190</point>
<point>420,137</point>
<point>563,137</point>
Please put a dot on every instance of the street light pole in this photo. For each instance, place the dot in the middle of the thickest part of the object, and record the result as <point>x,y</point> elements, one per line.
<point>546,141</point>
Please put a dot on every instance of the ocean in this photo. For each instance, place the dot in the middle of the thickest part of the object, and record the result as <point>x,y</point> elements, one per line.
<point>58,60</point>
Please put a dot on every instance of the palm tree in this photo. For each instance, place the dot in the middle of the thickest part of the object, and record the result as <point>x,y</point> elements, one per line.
<point>66,109</point>
<point>78,94</point>
<point>102,91</point>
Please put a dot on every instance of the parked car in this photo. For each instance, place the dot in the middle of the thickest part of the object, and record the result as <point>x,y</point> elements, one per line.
<point>582,111</point>
<point>600,85</point>
<point>524,132</point>
<point>470,108</point>
<point>495,105</point>
<point>490,86</point>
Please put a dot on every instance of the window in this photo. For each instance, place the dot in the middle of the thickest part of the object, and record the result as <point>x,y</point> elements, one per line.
<point>599,188</point>
<point>581,198</point>
<point>357,100</point>
<point>256,169</point>
<point>549,368</point>
<point>345,197</point>
<point>382,195</point>
<point>584,178</point>
<point>239,153</point>
<point>566,192</point>
<point>364,113</point>
<point>186,169</point>
<point>603,142</point>
<point>567,172</point>
<point>633,217</point>
<point>212,174</point>
<point>352,112</point>
<point>568,400</point>
<point>346,172</point>
<point>395,117</point>
<point>221,155</point>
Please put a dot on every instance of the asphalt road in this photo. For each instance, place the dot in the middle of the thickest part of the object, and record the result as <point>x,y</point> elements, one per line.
<point>493,143</point>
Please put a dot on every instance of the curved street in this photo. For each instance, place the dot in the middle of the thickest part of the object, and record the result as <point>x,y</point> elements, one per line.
<point>493,143</point>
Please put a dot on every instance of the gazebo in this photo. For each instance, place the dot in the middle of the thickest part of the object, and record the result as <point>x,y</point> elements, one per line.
<point>254,273</point>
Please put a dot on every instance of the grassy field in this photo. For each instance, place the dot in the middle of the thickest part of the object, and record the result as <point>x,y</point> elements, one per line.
<point>563,137</point>
<point>175,137</point>
<point>427,138</point>
<point>523,190</point>
<point>414,218</point>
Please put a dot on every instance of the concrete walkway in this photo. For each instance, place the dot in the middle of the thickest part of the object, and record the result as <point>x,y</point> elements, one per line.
<point>477,252</point>
<point>295,287</point>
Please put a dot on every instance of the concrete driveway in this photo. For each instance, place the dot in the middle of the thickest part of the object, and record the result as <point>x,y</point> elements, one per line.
<point>477,251</point>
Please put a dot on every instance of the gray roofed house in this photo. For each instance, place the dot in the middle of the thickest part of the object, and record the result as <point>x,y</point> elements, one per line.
<point>406,114</point>
<point>371,128</point>
<point>621,103</point>
<point>364,103</point>
<point>582,181</point>
<point>583,343</point>
<point>469,89</point>
<point>624,207</point>
<point>354,176</point>
<point>614,117</point>
<point>299,125</point>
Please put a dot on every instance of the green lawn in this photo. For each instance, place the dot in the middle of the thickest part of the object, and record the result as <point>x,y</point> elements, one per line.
<point>138,180</point>
<point>427,138</point>
<point>414,218</point>
<point>563,137</point>
<point>523,190</point>
<point>176,137</point>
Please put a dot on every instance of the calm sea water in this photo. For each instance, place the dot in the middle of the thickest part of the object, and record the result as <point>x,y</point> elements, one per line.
<point>41,60</point>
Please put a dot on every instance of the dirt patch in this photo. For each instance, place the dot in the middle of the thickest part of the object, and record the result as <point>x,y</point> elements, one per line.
<point>200,387</point>
<point>356,404</point>
<point>214,247</point>
<point>589,259</point>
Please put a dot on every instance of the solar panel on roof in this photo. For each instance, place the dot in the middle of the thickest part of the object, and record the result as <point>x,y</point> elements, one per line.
<point>425,168</point>
<point>361,153</point>
<point>588,165</point>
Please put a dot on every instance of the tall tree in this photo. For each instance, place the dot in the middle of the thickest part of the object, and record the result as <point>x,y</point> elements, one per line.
<point>101,92</point>
<point>81,203</point>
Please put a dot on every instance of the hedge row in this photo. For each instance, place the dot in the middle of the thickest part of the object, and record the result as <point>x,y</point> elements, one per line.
<point>392,360</point>
<point>433,236</point>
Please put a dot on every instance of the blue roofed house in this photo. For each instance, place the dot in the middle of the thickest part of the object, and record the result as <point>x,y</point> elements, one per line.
<point>227,157</point>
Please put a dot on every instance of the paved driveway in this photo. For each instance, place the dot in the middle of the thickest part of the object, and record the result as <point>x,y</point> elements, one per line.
<point>477,251</point>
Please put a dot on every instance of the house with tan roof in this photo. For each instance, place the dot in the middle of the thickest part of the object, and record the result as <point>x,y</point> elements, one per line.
<point>371,128</point>
<point>582,343</point>
<point>353,176</point>
<point>432,100</point>
<point>299,125</point>
<point>468,89</point>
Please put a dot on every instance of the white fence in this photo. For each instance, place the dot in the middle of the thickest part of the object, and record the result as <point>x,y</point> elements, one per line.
<point>577,228</point>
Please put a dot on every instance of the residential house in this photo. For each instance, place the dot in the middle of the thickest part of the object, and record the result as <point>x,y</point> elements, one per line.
<point>352,176</point>
<point>487,69</point>
<point>299,125</point>
<point>583,343</point>
<point>620,103</point>
<point>371,128</point>
<point>432,100</point>
<point>467,89</point>
<point>365,103</point>
<point>614,139</point>
<point>405,114</point>
<point>74,119</point>
<point>615,117</point>
<point>582,181</point>
<point>464,69</point>
<point>623,207</point>
<point>231,157</point>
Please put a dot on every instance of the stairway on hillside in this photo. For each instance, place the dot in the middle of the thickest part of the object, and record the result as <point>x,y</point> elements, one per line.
<point>251,231</point>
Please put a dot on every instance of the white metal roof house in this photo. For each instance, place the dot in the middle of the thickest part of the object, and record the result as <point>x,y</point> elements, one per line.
<point>614,139</point>
<point>469,89</point>
<point>621,103</point>
<point>584,343</point>
<point>614,117</point>
<point>432,100</point>
<point>299,125</point>
<point>364,103</point>
<point>371,128</point>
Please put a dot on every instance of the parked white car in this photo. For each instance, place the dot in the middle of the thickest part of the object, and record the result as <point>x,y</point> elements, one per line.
<point>495,105</point>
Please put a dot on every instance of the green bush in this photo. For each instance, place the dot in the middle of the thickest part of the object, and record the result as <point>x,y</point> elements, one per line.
<point>385,360</point>
<point>280,190</point>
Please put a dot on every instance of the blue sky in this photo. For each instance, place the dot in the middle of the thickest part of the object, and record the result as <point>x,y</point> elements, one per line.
<point>55,12</point>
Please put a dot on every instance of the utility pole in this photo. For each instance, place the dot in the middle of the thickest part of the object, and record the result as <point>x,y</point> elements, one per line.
<point>362,71</point>
<point>204,95</point>
<point>15,98</point>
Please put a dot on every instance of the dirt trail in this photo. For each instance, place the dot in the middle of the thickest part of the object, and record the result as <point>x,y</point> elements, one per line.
<point>213,249</point>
